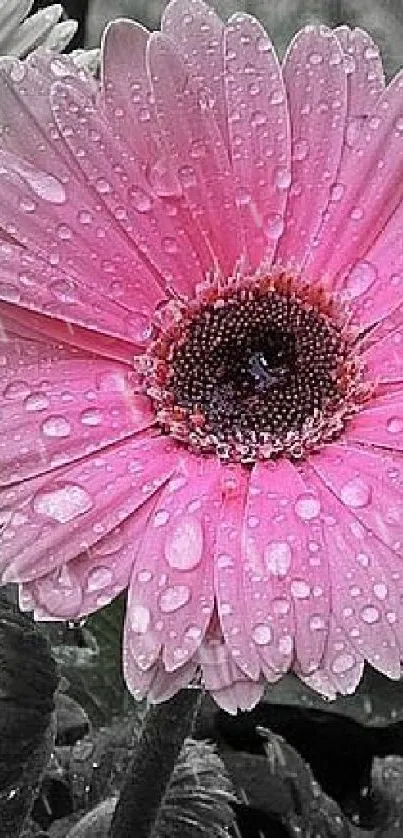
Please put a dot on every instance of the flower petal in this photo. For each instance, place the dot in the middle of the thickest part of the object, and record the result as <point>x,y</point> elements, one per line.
<point>197,151</point>
<point>288,569</point>
<point>259,134</point>
<point>365,76</point>
<point>341,668</point>
<point>91,580</point>
<point>366,582</point>
<point>317,95</point>
<point>123,189</point>
<point>369,192</point>
<point>382,350</point>
<point>52,519</point>
<point>57,406</point>
<point>171,591</point>
<point>367,484</point>
<point>380,423</point>
<point>198,33</point>
<point>231,689</point>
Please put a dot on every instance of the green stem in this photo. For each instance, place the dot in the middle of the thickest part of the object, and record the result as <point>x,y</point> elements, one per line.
<point>165,728</point>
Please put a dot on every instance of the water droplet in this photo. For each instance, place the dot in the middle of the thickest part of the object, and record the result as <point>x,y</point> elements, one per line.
<point>282,178</point>
<point>193,632</point>
<point>56,426</point>
<point>337,191</point>
<point>140,200</point>
<point>356,493</point>
<point>184,545</point>
<point>102,186</point>
<point>300,589</point>
<point>380,590</point>
<point>36,402</point>
<point>307,507</point>
<point>91,417</point>
<point>63,504</point>
<point>258,119</point>
<point>315,58</point>
<point>395,425</point>
<point>262,634</point>
<point>360,279</point>
<point>300,150</point>
<point>17,390</point>
<point>274,226</point>
<point>316,623</point>
<point>63,232</point>
<point>370,614</point>
<point>144,576</point>
<point>277,557</point>
<point>98,578</point>
<point>140,618</point>
<point>161,518</point>
<point>174,598</point>
<point>343,663</point>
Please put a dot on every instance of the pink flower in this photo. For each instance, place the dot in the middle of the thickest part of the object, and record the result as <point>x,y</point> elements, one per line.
<point>202,317</point>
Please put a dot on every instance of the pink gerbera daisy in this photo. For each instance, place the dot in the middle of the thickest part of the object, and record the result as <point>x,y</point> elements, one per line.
<point>201,353</point>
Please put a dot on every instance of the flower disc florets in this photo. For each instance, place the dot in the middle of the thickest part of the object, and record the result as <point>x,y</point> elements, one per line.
<point>254,368</point>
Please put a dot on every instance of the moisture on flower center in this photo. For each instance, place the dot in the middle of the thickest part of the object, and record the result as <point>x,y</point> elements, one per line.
<point>254,369</point>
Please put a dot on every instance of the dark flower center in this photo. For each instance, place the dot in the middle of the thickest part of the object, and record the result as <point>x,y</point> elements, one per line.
<point>255,371</point>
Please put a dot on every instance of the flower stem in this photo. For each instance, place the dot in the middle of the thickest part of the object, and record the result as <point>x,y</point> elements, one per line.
<point>165,728</point>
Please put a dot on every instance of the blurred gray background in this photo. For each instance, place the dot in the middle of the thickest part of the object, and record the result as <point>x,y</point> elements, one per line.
<point>382,18</point>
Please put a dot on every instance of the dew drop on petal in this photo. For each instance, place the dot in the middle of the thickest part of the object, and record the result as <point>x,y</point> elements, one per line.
<point>356,493</point>
<point>262,634</point>
<point>360,279</point>
<point>63,504</point>
<point>370,614</point>
<point>98,578</point>
<point>140,618</point>
<point>395,425</point>
<point>56,426</point>
<point>174,598</point>
<point>139,199</point>
<point>184,545</point>
<point>91,417</point>
<point>307,507</point>
<point>343,663</point>
<point>36,402</point>
<point>300,589</point>
<point>277,557</point>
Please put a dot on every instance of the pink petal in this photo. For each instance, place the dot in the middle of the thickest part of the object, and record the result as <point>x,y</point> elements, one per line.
<point>367,484</point>
<point>198,34</point>
<point>196,150</point>
<point>369,191</point>
<point>45,205</point>
<point>365,76</point>
<point>171,594</point>
<point>231,689</point>
<point>383,350</point>
<point>365,581</point>
<point>30,283</point>
<point>58,406</point>
<point>155,684</point>
<point>69,510</point>
<point>259,135</point>
<point>133,123</point>
<point>288,584</point>
<point>317,95</point>
<point>16,320</point>
<point>231,583</point>
<point>92,579</point>
<point>123,189</point>
<point>380,423</point>
<point>341,667</point>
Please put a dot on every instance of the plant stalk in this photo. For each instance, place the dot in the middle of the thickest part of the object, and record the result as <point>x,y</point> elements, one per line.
<point>165,728</point>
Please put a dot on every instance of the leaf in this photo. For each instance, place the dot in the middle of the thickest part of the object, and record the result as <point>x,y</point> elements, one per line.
<point>312,812</point>
<point>28,680</point>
